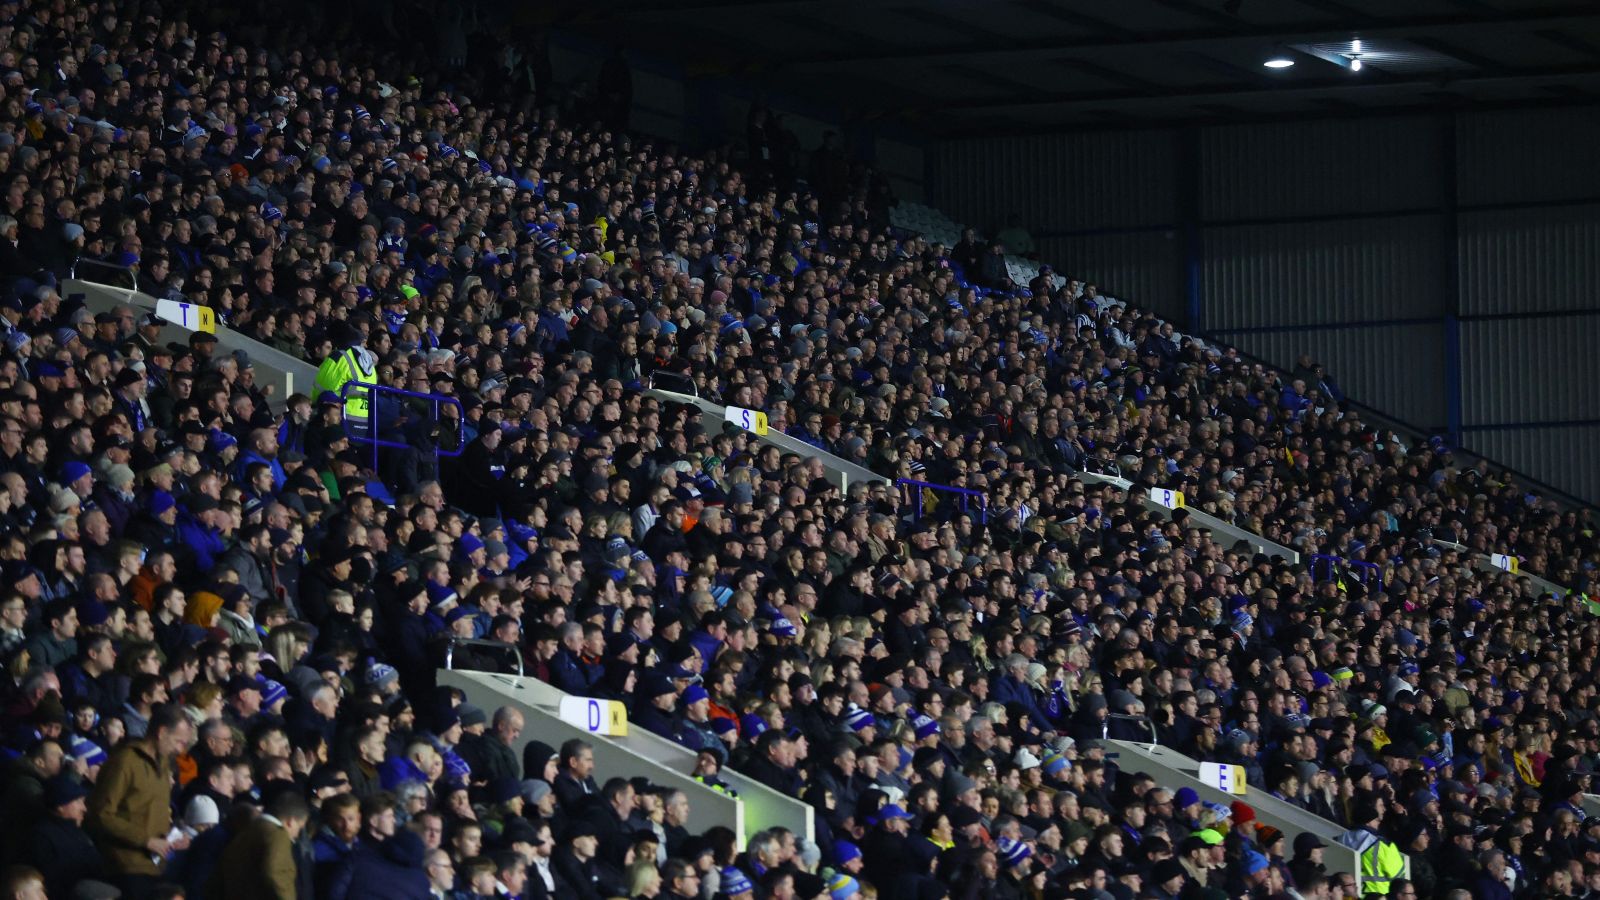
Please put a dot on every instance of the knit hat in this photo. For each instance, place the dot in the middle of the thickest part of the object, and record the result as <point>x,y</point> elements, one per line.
<point>73,470</point>
<point>379,674</point>
<point>1242,812</point>
<point>859,720</point>
<point>272,693</point>
<point>1054,764</point>
<point>1013,852</point>
<point>845,851</point>
<point>202,810</point>
<point>534,790</point>
<point>735,882</point>
<point>843,887</point>
<point>87,752</point>
<point>924,726</point>
<point>1185,797</point>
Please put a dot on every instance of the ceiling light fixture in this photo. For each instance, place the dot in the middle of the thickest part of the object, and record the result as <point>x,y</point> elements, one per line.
<point>1278,62</point>
<point>1355,63</point>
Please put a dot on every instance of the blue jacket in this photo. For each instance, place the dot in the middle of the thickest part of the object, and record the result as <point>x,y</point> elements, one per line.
<point>1009,690</point>
<point>203,542</point>
<point>249,458</point>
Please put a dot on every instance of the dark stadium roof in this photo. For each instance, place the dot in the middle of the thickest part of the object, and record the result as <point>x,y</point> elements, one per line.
<point>964,67</point>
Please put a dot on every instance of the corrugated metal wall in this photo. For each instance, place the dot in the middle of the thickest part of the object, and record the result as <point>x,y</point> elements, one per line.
<point>1526,156</point>
<point>1556,455</point>
<point>1146,265</point>
<point>1303,169</point>
<point>1068,183</point>
<point>1314,273</point>
<point>1306,228</point>
<point>1529,370</point>
<point>1364,362</point>
<point>1539,259</point>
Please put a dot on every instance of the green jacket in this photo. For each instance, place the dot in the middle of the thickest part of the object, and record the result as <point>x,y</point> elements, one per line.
<point>131,803</point>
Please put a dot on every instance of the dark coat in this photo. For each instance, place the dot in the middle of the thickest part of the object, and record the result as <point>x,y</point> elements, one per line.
<point>63,854</point>
<point>489,757</point>
<point>390,871</point>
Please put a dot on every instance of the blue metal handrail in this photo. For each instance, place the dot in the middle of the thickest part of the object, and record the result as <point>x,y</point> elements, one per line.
<point>963,493</point>
<point>372,416</point>
<point>1365,572</point>
<point>1328,563</point>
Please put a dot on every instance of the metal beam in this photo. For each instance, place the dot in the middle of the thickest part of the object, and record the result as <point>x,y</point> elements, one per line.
<point>1196,10</point>
<point>1077,19</point>
<point>1476,60</point>
<point>1569,41</point>
<point>1221,93</point>
<point>1547,17</point>
<point>1080,120</point>
<point>1084,67</point>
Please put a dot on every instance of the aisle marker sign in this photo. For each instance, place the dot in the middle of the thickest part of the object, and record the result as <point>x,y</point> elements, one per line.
<point>1223,777</point>
<point>1503,561</point>
<point>603,717</point>
<point>1169,499</point>
<point>748,419</point>
<point>192,316</point>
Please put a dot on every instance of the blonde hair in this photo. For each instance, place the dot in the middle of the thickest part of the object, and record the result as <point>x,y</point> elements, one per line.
<point>202,694</point>
<point>642,874</point>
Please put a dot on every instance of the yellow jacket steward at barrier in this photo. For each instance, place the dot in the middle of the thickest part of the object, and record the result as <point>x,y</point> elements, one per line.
<point>350,364</point>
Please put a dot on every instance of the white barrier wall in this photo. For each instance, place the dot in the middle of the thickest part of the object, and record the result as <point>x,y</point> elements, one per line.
<point>640,752</point>
<point>287,374</point>
<point>1173,770</point>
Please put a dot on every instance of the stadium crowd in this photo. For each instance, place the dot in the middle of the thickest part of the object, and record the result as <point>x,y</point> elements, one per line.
<point>220,625</point>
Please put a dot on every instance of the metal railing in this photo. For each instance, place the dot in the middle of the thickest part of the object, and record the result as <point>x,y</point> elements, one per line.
<point>1369,574</point>
<point>452,642</point>
<point>673,381</point>
<point>964,495</point>
<point>1105,467</point>
<point>1105,727</point>
<point>373,390</point>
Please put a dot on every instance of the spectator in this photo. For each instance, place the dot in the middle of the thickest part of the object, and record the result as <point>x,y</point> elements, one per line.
<point>57,845</point>
<point>260,860</point>
<point>129,810</point>
<point>425,229</point>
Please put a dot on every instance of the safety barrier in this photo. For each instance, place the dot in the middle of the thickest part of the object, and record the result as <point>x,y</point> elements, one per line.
<point>452,642</point>
<point>840,472</point>
<point>1146,721</point>
<point>1493,565</point>
<point>1173,770</point>
<point>750,807</point>
<point>963,493</point>
<point>372,411</point>
<point>275,370</point>
<point>1099,471</point>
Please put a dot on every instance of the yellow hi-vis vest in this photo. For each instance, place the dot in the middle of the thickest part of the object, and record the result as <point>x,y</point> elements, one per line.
<point>343,367</point>
<point>1381,863</point>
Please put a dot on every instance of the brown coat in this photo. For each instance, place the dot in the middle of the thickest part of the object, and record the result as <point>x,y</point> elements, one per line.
<point>258,864</point>
<point>131,803</point>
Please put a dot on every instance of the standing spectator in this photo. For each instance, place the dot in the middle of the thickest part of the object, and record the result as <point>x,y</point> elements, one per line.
<point>259,863</point>
<point>130,809</point>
